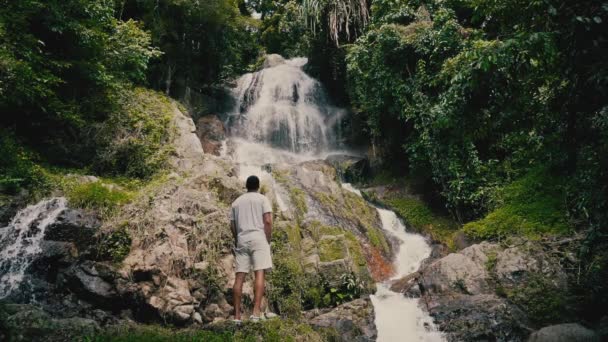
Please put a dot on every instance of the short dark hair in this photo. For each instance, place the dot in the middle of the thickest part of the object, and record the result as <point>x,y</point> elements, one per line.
<point>253,183</point>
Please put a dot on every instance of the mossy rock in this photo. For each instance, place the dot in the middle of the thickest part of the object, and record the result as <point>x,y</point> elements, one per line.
<point>332,248</point>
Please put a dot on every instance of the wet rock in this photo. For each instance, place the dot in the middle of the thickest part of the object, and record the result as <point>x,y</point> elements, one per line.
<point>351,169</point>
<point>354,321</point>
<point>94,282</point>
<point>465,291</point>
<point>481,317</point>
<point>463,272</point>
<point>407,285</point>
<point>568,332</point>
<point>73,225</point>
<point>211,132</point>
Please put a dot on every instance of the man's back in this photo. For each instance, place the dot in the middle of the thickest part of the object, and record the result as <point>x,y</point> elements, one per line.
<point>248,211</point>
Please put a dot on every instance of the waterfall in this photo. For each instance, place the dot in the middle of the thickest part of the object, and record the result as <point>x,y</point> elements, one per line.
<point>399,318</point>
<point>281,116</point>
<point>20,241</point>
<point>282,107</point>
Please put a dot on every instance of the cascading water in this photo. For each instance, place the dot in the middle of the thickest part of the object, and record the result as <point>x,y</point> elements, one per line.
<point>399,318</point>
<point>282,107</point>
<point>281,117</point>
<point>20,241</point>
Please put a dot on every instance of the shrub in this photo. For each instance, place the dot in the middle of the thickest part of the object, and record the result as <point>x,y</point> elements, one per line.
<point>114,246</point>
<point>97,195</point>
<point>134,140</point>
<point>17,166</point>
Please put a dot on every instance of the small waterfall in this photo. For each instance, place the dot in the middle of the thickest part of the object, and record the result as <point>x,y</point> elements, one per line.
<point>20,241</point>
<point>399,318</point>
<point>282,107</point>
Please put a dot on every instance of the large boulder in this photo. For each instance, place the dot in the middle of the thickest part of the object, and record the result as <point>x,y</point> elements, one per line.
<point>568,332</point>
<point>479,292</point>
<point>354,321</point>
<point>73,225</point>
<point>93,282</point>
<point>211,132</point>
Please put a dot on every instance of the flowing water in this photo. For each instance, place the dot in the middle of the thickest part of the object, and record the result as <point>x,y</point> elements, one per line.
<point>20,241</point>
<point>282,117</point>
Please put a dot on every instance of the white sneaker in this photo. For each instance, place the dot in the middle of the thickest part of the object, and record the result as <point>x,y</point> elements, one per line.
<point>271,315</point>
<point>254,318</point>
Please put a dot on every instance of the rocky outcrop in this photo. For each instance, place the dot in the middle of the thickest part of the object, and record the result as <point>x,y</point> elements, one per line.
<point>75,226</point>
<point>475,293</point>
<point>354,321</point>
<point>211,132</point>
<point>351,169</point>
<point>568,332</point>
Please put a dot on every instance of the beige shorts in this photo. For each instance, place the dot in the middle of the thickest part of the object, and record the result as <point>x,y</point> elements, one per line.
<point>254,252</point>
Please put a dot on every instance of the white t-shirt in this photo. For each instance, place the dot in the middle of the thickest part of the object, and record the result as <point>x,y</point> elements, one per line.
<point>247,211</point>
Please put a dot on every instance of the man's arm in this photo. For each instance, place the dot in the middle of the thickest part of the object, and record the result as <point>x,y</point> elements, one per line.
<point>233,229</point>
<point>268,226</point>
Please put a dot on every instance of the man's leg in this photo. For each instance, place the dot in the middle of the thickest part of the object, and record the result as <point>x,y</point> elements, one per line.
<point>258,292</point>
<point>237,291</point>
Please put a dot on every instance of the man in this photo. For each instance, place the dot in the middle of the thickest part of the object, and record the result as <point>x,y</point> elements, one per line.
<point>251,224</point>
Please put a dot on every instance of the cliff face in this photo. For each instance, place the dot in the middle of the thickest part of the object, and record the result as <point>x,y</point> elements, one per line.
<point>166,256</point>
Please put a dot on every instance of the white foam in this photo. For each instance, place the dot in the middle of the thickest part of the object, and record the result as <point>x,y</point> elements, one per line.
<point>20,241</point>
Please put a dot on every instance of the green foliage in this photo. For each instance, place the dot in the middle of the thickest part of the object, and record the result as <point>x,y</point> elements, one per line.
<point>134,140</point>
<point>287,280</point>
<point>203,42</point>
<point>97,195</point>
<point>531,206</point>
<point>284,31</point>
<point>59,61</point>
<point>298,199</point>
<point>113,246</point>
<point>17,166</point>
<point>349,288</point>
<point>157,334</point>
<point>541,300</point>
<point>475,94</point>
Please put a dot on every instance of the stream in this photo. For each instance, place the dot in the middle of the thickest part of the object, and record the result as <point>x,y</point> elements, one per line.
<point>282,116</point>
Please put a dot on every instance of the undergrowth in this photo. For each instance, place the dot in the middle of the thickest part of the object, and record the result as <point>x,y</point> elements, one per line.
<point>532,206</point>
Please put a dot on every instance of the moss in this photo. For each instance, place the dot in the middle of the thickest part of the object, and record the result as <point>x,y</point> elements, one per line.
<point>331,249</point>
<point>540,299</point>
<point>357,210</point>
<point>355,250</point>
<point>532,206</point>
<point>420,217</point>
<point>298,199</point>
<point>280,175</point>
<point>294,235</point>
<point>491,262</point>
<point>287,280</point>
